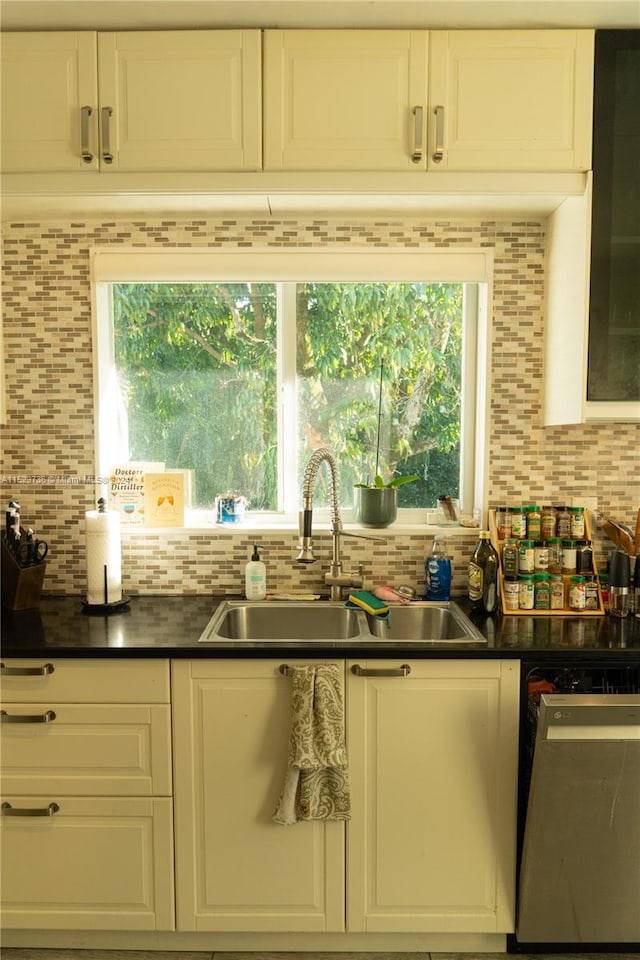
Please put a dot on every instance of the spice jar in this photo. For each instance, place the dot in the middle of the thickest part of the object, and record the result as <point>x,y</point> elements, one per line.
<point>511,593</point>
<point>603,580</point>
<point>503,522</point>
<point>533,519</point>
<point>526,591</point>
<point>548,522</point>
<point>590,593</point>
<point>563,523</point>
<point>541,591</point>
<point>540,556</point>
<point>556,590</point>
<point>577,596</point>
<point>577,522</point>
<point>554,550</point>
<point>525,556</point>
<point>510,558</point>
<point>584,556</point>
<point>569,556</point>
<point>518,523</point>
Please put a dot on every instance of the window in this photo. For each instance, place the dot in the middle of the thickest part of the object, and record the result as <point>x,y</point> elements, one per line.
<point>236,366</point>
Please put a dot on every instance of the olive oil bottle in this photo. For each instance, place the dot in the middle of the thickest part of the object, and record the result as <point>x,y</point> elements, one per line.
<point>483,575</point>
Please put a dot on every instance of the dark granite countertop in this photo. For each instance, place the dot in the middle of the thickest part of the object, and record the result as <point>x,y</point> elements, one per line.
<point>169,626</point>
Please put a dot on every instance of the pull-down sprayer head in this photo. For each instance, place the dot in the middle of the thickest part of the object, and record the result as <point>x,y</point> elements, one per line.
<point>305,544</point>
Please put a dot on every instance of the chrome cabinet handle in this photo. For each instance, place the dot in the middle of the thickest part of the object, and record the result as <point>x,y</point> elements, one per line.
<point>402,671</point>
<point>85,113</point>
<point>438,153</point>
<point>106,114</point>
<point>418,118</point>
<point>9,811</point>
<point>46,717</point>
<point>26,671</point>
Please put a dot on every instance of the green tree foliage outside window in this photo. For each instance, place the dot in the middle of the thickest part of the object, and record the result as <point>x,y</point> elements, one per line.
<point>197,367</point>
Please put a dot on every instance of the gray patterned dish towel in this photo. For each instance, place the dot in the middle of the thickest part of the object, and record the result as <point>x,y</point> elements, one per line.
<point>316,785</point>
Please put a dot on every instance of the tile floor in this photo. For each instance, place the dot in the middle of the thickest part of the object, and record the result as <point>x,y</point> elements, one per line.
<point>14,953</point>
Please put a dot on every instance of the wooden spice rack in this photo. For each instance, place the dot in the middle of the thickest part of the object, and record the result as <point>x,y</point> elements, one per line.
<point>566,612</point>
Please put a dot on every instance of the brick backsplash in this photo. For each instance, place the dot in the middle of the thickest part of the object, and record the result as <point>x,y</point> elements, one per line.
<point>48,454</point>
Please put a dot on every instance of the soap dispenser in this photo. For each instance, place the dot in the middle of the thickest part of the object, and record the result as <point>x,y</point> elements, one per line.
<point>255,577</point>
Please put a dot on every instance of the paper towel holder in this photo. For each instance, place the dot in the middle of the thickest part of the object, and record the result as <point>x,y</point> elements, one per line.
<point>108,607</point>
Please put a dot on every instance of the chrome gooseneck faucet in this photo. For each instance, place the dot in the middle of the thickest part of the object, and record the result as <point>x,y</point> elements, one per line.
<point>335,578</point>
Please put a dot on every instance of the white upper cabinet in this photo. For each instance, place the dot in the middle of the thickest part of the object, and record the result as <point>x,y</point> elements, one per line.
<point>345,99</point>
<point>171,101</point>
<point>334,101</point>
<point>49,88</point>
<point>510,100</point>
<point>391,100</point>
<point>187,100</point>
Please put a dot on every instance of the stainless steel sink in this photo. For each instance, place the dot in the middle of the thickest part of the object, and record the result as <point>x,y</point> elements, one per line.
<point>288,620</point>
<point>300,622</point>
<point>425,622</point>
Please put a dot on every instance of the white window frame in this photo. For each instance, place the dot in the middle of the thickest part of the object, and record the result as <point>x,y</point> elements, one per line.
<point>474,268</point>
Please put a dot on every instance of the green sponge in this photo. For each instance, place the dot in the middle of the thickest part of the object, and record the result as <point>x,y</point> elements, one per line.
<point>368,602</point>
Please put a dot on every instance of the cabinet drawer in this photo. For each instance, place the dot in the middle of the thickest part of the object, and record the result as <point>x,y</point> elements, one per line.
<point>87,863</point>
<point>68,749</point>
<point>85,681</point>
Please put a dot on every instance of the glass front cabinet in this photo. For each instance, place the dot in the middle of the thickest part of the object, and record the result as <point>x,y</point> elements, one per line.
<point>614,315</point>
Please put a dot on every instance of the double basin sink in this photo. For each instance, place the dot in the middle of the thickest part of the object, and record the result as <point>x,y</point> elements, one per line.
<point>318,621</point>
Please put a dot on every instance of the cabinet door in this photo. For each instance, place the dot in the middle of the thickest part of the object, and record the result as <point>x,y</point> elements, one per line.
<point>92,864</point>
<point>84,681</point>
<point>47,79</point>
<point>433,758</point>
<point>345,99</point>
<point>614,306</point>
<point>180,100</point>
<point>51,748</point>
<point>511,99</point>
<point>237,870</point>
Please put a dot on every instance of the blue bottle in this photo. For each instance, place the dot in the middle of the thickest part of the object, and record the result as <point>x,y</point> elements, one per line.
<point>437,569</point>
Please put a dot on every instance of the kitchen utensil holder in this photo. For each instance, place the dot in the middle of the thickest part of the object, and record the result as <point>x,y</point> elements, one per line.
<point>21,586</point>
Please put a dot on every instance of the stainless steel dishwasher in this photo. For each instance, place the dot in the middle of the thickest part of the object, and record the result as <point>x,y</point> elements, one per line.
<point>580,866</point>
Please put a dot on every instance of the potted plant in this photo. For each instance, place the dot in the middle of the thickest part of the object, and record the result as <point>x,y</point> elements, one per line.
<point>376,504</point>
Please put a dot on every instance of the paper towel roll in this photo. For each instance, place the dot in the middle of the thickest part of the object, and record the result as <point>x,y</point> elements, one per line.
<point>104,559</point>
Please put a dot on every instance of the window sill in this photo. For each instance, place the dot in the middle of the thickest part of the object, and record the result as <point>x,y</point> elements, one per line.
<point>250,528</point>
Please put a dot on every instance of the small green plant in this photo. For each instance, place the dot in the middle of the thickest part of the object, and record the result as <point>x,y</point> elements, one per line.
<point>381,485</point>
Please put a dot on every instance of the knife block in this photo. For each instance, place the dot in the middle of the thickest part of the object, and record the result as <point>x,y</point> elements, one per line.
<point>21,586</point>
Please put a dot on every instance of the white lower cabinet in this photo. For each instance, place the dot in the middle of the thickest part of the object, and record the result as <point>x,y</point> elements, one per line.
<point>237,870</point>
<point>87,863</point>
<point>433,761</point>
<point>86,813</point>
<point>430,845</point>
<point>88,809</point>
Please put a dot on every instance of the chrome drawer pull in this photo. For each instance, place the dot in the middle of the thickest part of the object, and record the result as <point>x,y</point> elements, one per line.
<point>416,155</point>
<point>402,671</point>
<point>85,152</point>
<point>9,811</point>
<point>26,671</point>
<point>27,718</point>
<point>107,156</point>
<point>438,153</point>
